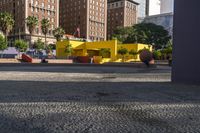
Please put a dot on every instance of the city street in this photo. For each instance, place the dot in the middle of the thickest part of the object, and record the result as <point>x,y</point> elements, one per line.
<point>89,99</point>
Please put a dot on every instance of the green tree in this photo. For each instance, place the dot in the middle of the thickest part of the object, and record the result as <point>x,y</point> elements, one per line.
<point>68,50</point>
<point>6,23</point>
<point>45,25</point>
<point>3,44</point>
<point>39,45</point>
<point>149,33</point>
<point>31,22</point>
<point>58,33</point>
<point>21,45</point>
<point>122,51</point>
<point>121,33</point>
<point>134,53</point>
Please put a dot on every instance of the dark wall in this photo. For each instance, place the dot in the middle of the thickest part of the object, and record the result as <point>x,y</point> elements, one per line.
<point>186,54</point>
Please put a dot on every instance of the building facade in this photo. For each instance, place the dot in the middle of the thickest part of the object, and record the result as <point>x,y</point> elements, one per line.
<point>84,18</point>
<point>21,9</point>
<point>121,13</point>
<point>143,10</point>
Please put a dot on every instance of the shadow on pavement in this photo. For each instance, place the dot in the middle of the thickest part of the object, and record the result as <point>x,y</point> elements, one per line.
<point>22,91</point>
<point>85,69</point>
<point>49,107</point>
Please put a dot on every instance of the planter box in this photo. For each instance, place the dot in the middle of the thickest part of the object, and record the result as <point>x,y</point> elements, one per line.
<point>83,59</point>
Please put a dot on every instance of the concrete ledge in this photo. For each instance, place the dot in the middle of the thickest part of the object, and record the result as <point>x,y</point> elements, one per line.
<point>58,61</point>
<point>9,61</point>
<point>52,61</point>
<point>134,65</point>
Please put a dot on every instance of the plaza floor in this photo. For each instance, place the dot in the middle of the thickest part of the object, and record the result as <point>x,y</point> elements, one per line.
<point>86,99</point>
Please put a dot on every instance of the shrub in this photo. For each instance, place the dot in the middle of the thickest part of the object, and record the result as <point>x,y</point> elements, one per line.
<point>134,53</point>
<point>122,51</point>
<point>68,50</point>
<point>53,46</point>
<point>157,55</point>
<point>105,53</point>
<point>21,45</point>
<point>39,45</point>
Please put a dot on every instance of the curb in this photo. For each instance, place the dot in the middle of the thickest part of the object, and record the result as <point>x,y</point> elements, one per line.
<point>138,65</point>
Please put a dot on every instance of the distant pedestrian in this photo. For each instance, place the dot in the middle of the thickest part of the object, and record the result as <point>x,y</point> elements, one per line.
<point>91,60</point>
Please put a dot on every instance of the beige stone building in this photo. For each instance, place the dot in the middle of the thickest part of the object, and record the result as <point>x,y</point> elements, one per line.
<point>21,9</point>
<point>121,13</point>
<point>84,18</point>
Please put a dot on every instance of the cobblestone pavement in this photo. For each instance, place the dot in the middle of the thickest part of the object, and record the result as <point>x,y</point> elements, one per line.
<point>96,100</point>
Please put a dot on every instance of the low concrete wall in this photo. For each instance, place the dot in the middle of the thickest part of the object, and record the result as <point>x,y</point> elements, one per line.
<point>57,61</point>
<point>9,61</point>
<point>53,61</point>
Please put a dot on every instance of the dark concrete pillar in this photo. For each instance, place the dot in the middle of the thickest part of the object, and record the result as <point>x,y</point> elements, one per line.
<point>186,54</point>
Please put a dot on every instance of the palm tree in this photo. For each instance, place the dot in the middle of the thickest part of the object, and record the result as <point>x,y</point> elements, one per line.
<point>45,25</point>
<point>6,23</point>
<point>31,22</point>
<point>58,33</point>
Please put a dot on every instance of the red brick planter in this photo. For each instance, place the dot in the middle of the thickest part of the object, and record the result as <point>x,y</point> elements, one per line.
<point>83,59</point>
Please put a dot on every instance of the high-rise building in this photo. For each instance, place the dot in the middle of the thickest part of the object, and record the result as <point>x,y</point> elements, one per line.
<point>21,9</point>
<point>84,18</point>
<point>142,8</point>
<point>121,13</point>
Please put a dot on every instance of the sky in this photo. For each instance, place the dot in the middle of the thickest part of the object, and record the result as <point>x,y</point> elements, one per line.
<point>154,7</point>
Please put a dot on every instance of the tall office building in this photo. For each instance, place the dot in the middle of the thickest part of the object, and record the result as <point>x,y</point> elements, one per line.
<point>142,8</point>
<point>84,18</point>
<point>21,9</point>
<point>121,13</point>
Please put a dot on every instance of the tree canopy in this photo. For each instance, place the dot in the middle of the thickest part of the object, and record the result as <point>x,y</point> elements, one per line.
<point>121,33</point>
<point>31,22</point>
<point>6,23</point>
<point>147,33</point>
<point>45,25</point>
<point>58,33</point>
